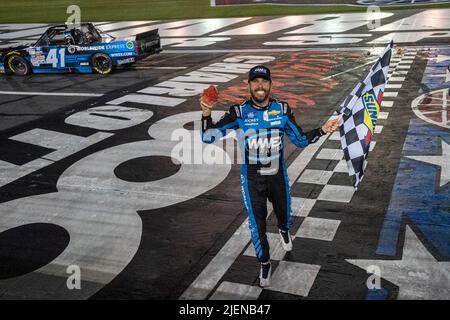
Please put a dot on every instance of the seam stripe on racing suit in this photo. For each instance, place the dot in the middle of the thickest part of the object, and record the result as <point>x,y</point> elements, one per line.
<point>261,140</point>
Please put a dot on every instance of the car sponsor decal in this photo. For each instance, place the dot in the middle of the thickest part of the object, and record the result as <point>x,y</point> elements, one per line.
<point>124,61</point>
<point>121,54</point>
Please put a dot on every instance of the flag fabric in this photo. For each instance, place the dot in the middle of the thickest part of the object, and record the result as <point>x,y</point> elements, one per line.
<point>359,116</point>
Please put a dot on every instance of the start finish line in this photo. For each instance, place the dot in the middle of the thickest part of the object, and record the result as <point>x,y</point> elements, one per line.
<point>328,2</point>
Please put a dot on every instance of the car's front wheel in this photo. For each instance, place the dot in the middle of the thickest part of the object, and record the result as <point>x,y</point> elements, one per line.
<point>102,63</point>
<point>18,65</point>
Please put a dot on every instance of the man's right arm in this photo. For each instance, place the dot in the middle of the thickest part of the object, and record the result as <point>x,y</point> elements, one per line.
<point>215,130</point>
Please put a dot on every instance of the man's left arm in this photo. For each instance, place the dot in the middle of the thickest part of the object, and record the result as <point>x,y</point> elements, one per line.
<point>302,139</point>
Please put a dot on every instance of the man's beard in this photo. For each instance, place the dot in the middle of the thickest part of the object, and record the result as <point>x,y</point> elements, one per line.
<point>259,100</point>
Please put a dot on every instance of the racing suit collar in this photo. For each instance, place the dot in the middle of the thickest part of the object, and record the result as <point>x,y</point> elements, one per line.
<point>250,101</point>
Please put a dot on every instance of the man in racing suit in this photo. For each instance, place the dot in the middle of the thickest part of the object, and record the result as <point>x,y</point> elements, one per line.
<point>261,123</point>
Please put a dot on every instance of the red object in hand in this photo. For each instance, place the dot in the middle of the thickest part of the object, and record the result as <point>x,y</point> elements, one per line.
<point>210,95</point>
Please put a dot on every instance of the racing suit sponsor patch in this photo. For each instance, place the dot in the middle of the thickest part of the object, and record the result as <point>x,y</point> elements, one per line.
<point>250,119</point>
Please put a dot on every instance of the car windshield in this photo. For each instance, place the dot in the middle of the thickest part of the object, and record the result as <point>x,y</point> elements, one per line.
<point>43,41</point>
<point>90,34</point>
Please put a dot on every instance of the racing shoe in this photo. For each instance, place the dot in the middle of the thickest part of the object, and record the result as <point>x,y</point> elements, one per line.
<point>264,275</point>
<point>286,241</point>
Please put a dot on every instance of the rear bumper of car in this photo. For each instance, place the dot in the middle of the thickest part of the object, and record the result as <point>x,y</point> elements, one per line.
<point>147,53</point>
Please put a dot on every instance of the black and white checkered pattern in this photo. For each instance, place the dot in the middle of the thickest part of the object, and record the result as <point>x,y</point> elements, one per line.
<point>358,121</point>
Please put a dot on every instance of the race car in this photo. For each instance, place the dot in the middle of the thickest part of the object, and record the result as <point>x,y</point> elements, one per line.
<point>83,49</point>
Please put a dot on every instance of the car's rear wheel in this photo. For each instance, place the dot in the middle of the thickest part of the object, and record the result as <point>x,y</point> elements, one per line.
<point>18,65</point>
<point>102,63</point>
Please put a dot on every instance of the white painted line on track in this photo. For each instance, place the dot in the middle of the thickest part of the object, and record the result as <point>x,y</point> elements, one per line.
<point>387,104</point>
<point>318,228</point>
<point>269,50</point>
<point>393,86</point>
<point>396,79</point>
<point>63,94</point>
<point>336,193</point>
<point>390,94</point>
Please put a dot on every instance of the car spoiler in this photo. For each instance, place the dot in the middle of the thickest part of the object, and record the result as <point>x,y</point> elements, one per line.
<point>149,42</point>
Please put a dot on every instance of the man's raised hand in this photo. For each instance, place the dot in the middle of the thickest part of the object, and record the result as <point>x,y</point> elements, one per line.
<point>208,99</point>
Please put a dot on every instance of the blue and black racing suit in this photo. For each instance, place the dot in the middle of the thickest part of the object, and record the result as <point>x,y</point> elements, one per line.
<point>263,172</point>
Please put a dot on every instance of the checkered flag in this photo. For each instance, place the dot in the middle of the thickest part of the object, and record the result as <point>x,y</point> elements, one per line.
<point>359,114</point>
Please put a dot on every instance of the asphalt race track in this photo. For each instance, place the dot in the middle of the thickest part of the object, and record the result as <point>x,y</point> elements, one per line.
<point>89,179</point>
